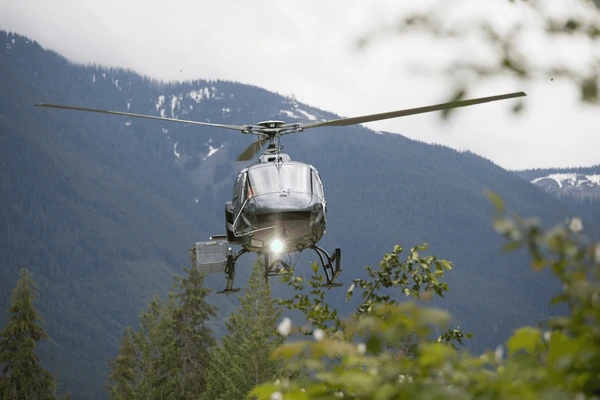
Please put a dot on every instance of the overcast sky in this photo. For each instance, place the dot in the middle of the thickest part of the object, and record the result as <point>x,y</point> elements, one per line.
<point>308,49</point>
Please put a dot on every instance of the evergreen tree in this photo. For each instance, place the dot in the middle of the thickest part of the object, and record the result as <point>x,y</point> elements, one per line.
<point>124,368</point>
<point>155,344</point>
<point>22,375</point>
<point>141,369</point>
<point>168,356</point>
<point>189,312</point>
<point>243,359</point>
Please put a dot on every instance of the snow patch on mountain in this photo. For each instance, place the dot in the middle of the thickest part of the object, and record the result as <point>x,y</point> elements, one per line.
<point>174,104</point>
<point>299,114</point>
<point>568,179</point>
<point>570,184</point>
<point>161,102</point>
<point>306,114</point>
<point>8,45</point>
<point>175,150</point>
<point>594,179</point>
<point>573,180</point>
<point>290,114</point>
<point>199,95</point>
<point>205,93</point>
<point>212,150</point>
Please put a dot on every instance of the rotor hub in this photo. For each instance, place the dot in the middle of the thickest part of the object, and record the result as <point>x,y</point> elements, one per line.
<point>271,124</point>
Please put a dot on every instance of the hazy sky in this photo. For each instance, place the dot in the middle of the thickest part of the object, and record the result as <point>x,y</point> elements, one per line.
<point>308,49</point>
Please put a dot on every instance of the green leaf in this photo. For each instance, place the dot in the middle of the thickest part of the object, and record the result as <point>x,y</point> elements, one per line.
<point>447,264</point>
<point>495,200</point>
<point>527,339</point>
<point>434,354</point>
<point>264,392</point>
<point>289,350</point>
<point>589,89</point>
<point>562,350</point>
<point>538,265</point>
<point>512,246</point>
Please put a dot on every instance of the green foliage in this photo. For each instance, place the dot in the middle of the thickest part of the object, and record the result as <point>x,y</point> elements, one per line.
<point>312,305</point>
<point>417,276</point>
<point>561,363</point>
<point>243,361</point>
<point>124,373</point>
<point>142,370</point>
<point>571,352</point>
<point>168,356</point>
<point>22,375</point>
<point>411,276</point>
<point>189,313</point>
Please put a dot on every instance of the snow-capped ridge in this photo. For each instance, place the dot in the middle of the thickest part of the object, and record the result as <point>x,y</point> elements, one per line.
<point>571,180</point>
<point>570,184</point>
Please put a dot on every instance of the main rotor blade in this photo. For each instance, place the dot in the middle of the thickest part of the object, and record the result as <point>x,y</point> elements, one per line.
<point>251,150</point>
<point>411,111</point>
<point>126,114</point>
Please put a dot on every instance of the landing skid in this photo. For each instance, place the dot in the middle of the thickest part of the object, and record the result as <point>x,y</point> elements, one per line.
<point>230,272</point>
<point>216,256</point>
<point>327,262</point>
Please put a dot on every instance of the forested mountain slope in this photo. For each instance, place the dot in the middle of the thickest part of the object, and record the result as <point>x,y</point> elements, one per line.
<point>102,209</point>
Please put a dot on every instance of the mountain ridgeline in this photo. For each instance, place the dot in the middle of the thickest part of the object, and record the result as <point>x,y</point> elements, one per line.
<point>103,209</point>
<point>577,188</point>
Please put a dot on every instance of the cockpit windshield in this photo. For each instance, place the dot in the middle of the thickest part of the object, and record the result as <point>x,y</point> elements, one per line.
<point>277,178</point>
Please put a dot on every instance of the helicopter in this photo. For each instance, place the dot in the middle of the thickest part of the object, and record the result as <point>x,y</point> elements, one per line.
<point>278,205</point>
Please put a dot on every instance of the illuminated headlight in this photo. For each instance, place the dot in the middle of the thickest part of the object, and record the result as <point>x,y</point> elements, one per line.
<point>276,246</point>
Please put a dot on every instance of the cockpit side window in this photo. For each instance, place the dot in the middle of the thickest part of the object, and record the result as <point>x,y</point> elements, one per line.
<point>238,189</point>
<point>317,186</point>
<point>249,190</point>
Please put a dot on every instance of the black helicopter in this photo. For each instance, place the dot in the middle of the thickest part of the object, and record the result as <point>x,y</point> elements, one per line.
<point>278,205</point>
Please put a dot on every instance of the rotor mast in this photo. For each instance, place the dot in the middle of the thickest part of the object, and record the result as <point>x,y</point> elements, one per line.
<point>271,131</point>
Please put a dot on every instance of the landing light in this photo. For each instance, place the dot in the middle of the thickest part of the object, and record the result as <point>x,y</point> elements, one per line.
<point>276,246</point>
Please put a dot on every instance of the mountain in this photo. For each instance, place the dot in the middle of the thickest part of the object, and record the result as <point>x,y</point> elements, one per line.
<point>103,209</point>
<point>577,188</point>
<point>580,183</point>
